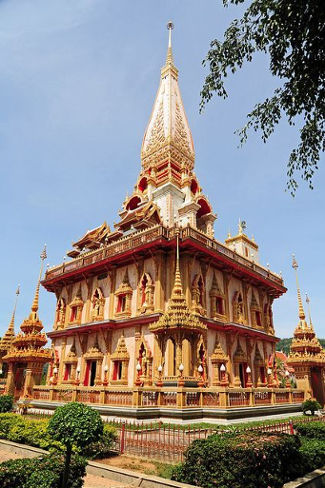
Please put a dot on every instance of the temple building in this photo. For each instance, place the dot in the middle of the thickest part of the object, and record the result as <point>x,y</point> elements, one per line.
<point>307,356</point>
<point>155,317</point>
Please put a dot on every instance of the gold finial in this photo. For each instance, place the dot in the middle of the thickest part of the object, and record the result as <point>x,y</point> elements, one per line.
<point>11,327</point>
<point>300,306</point>
<point>177,288</point>
<point>241,226</point>
<point>43,256</point>
<point>309,314</point>
<point>169,59</point>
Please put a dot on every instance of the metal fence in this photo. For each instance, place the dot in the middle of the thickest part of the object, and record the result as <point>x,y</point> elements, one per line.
<point>168,443</point>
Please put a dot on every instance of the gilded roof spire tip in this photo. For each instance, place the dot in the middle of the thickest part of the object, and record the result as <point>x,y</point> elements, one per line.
<point>43,256</point>
<point>170,59</point>
<point>11,327</point>
<point>177,288</point>
<point>308,305</point>
<point>302,315</point>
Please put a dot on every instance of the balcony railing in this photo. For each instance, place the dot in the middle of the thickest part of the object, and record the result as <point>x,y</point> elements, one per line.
<point>139,238</point>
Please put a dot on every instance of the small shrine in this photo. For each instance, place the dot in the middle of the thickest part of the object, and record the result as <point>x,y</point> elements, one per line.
<point>307,356</point>
<point>6,344</point>
<point>27,356</point>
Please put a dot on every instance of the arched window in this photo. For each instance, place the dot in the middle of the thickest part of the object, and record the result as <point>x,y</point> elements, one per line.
<point>143,183</point>
<point>133,203</point>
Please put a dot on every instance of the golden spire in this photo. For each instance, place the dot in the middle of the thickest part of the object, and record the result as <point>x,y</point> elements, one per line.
<point>169,58</point>
<point>308,304</point>
<point>168,124</point>
<point>34,309</point>
<point>177,288</point>
<point>8,337</point>
<point>302,315</point>
<point>11,328</point>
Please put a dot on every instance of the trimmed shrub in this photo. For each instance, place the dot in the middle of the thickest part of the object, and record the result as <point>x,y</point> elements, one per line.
<point>7,422</point>
<point>312,430</point>
<point>310,406</point>
<point>35,433</point>
<point>75,425</point>
<point>45,472</point>
<point>312,453</point>
<point>6,403</point>
<point>245,460</point>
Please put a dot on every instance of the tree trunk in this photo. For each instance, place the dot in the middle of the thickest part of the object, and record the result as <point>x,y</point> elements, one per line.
<point>66,466</point>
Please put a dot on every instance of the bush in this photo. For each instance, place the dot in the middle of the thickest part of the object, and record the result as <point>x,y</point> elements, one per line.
<point>312,430</point>
<point>27,431</point>
<point>35,433</point>
<point>6,403</point>
<point>7,421</point>
<point>312,453</point>
<point>45,472</point>
<point>75,425</point>
<point>103,446</point>
<point>310,406</point>
<point>244,460</point>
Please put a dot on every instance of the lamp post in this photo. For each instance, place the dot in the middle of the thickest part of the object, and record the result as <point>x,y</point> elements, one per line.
<point>223,375</point>
<point>201,380</point>
<point>138,368</point>
<point>181,381</point>
<point>55,375</point>
<point>105,382</point>
<point>269,378</point>
<point>78,376</point>
<point>249,382</point>
<point>159,382</point>
<point>288,384</point>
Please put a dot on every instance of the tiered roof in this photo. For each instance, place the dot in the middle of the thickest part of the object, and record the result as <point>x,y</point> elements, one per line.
<point>305,346</point>
<point>29,344</point>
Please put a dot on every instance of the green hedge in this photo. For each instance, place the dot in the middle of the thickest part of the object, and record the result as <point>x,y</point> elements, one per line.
<point>6,403</point>
<point>23,430</point>
<point>45,472</point>
<point>245,460</point>
<point>312,453</point>
<point>312,430</point>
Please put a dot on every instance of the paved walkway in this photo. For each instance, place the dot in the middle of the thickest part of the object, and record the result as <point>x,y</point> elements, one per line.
<point>91,481</point>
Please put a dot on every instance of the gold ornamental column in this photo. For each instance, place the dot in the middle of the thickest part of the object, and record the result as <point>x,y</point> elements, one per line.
<point>61,365</point>
<point>112,275</point>
<point>28,381</point>
<point>10,380</point>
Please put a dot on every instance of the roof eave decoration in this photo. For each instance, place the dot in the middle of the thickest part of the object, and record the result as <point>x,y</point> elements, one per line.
<point>93,238</point>
<point>121,351</point>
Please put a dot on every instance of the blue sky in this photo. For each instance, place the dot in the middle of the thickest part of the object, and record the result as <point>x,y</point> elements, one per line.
<point>78,80</point>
